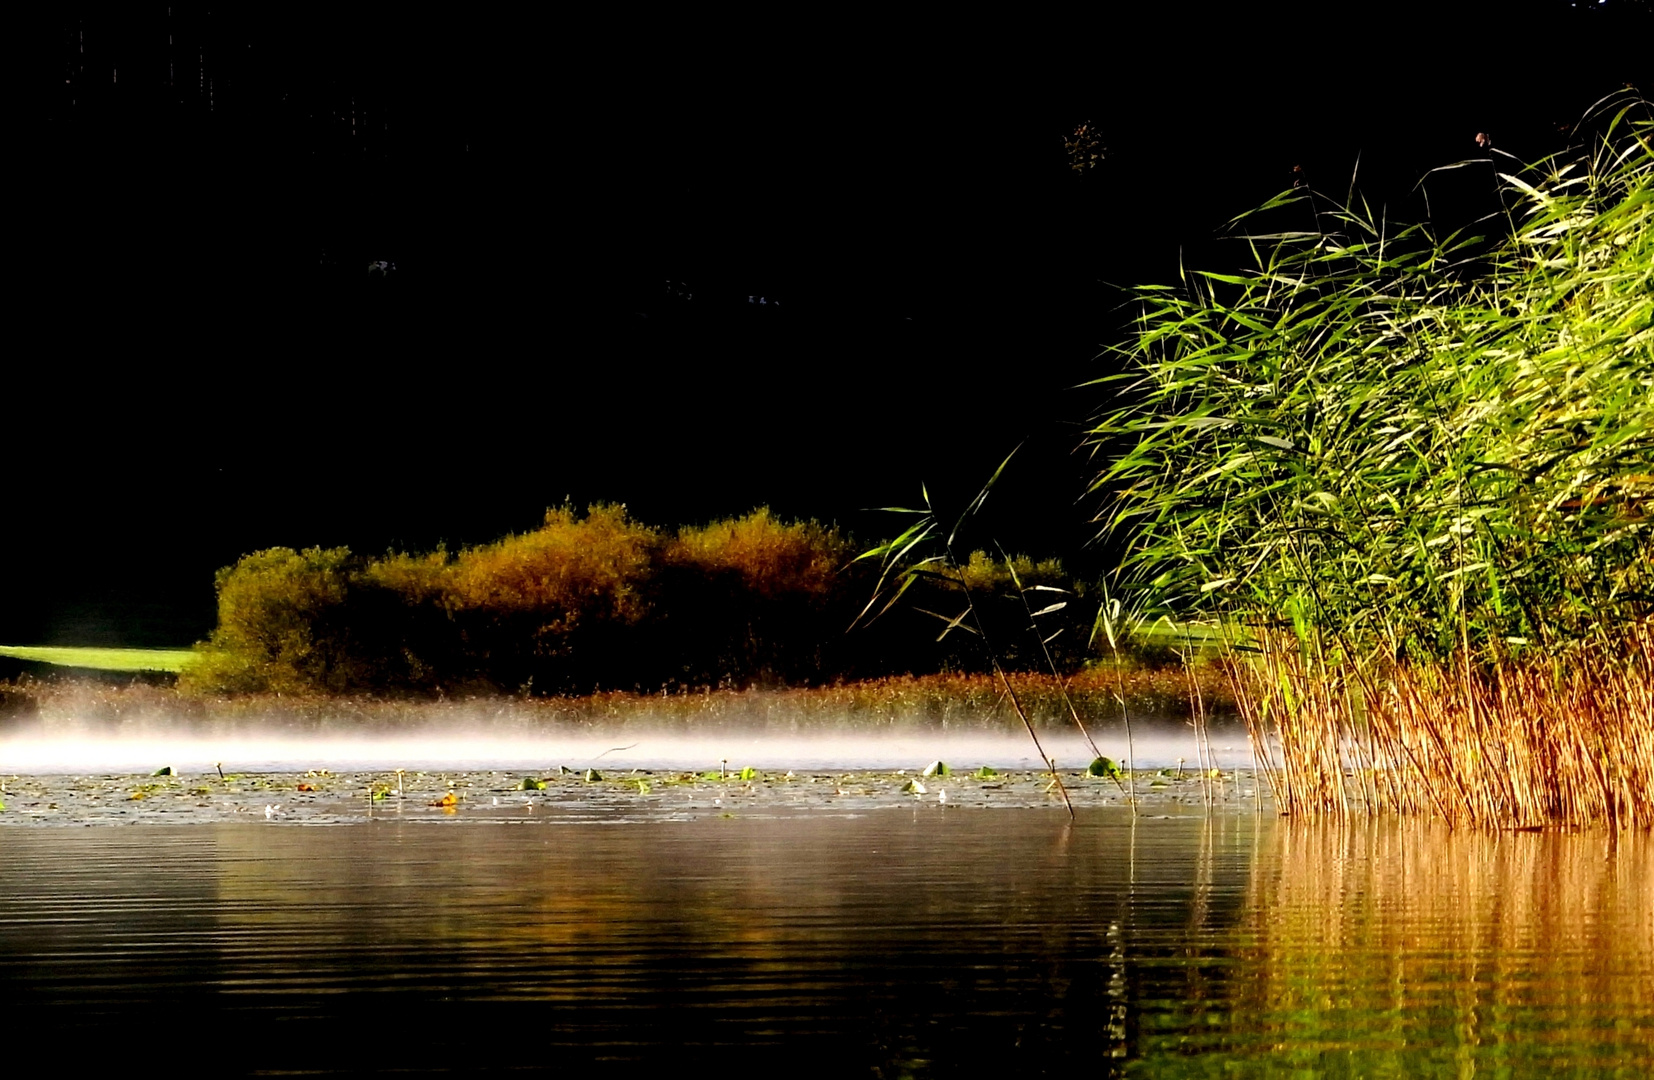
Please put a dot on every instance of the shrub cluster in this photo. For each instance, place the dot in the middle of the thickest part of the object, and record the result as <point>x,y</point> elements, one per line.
<point>584,602</point>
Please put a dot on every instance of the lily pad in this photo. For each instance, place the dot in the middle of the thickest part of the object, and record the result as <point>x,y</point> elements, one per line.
<point>1105,767</point>
<point>531,784</point>
<point>749,773</point>
<point>164,770</point>
<point>913,787</point>
<point>986,773</point>
<point>592,775</point>
<point>937,768</point>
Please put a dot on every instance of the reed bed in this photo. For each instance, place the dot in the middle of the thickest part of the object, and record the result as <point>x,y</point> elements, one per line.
<point>1523,746</point>
<point>1406,478</point>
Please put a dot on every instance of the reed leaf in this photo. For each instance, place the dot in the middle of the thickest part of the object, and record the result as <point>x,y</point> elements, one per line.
<point>1410,472</point>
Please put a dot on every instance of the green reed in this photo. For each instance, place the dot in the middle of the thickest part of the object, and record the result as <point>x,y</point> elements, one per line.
<point>1380,451</point>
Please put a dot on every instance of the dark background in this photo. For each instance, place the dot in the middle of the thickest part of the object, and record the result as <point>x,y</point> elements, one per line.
<point>584,216</point>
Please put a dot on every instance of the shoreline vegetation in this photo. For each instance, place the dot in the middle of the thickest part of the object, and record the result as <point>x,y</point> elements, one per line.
<point>599,601</point>
<point>1408,479</point>
<point>1386,493</point>
<point>966,700</point>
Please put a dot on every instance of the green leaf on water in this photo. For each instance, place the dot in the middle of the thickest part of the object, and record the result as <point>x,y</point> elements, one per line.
<point>531,784</point>
<point>985,773</point>
<point>937,768</point>
<point>164,770</point>
<point>749,773</point>
<point>712,776</point>
<point>1104,767</point>
<point>913,787</point>
<point>592,775</point>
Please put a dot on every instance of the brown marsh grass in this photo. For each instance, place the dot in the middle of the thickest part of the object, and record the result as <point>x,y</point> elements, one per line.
<point>1527,745</point>
<point>870,704</point>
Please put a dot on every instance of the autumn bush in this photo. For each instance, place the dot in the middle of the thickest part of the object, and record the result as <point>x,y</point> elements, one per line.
<point>556,608</point>
<point>754,599</point>
<point>600,601</point>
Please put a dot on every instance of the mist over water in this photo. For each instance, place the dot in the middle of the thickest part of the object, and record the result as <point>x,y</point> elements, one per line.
<point>70,745</point>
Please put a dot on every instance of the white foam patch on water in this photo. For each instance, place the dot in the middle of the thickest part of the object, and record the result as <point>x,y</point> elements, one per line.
<point>82,749</point>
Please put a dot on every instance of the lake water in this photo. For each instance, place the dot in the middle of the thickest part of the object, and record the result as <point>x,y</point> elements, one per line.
<point>853,934</point>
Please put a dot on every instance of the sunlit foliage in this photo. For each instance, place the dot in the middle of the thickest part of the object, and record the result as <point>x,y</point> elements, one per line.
<point>586,601</point>
<point>1404,452</point>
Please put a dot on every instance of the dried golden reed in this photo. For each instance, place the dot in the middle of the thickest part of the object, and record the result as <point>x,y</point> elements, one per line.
<point>1523,744</point>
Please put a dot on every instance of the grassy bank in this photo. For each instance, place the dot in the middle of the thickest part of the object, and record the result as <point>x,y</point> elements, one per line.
<point>161,660</point>
<point>1408,479</point>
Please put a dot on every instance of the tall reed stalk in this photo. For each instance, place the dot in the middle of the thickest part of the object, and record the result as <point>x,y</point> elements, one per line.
<point>1407,478</point>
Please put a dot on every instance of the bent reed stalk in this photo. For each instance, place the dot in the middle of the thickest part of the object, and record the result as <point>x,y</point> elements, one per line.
<point>1407,478</point>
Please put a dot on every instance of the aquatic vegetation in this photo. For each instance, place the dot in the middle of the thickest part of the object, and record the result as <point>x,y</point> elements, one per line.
<point>1104,767</point>
<point>1406,479</point>
<point>937,768</point>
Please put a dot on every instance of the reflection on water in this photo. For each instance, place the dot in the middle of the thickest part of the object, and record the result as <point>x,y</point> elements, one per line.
<point>911,941</point>
<point>1402,942</point>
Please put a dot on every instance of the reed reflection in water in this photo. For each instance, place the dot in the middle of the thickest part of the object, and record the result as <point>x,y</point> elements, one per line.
<point>915,941</point>
<point>1402,943</point>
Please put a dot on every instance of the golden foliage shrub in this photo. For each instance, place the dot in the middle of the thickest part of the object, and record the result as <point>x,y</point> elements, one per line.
<point>552,608</point>
<point>752,599</point>
<point>586,601</point>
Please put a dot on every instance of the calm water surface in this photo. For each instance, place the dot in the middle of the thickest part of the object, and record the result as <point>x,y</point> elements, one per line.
<point>910,940</point>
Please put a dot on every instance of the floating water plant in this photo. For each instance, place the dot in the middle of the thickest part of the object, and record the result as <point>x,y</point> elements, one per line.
<point>986,773</point>
<point>530,783</point>
<point>1407,479</point>
<point>937,768</point>
<point>1103,767</point>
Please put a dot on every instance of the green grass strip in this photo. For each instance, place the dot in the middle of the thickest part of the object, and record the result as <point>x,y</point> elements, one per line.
<point>104,659</point>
